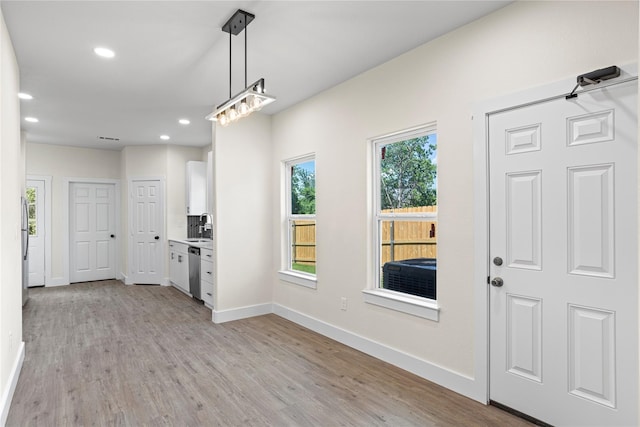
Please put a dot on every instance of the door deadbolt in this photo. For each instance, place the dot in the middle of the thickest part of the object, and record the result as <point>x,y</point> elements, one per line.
<point>497,261</point>
<point>497,282</point>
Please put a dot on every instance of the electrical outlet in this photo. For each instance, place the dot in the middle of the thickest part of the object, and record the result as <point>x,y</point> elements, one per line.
<point>343,303</point>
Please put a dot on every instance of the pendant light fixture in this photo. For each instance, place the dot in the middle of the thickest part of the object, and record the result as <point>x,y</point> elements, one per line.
<point>253,97</point>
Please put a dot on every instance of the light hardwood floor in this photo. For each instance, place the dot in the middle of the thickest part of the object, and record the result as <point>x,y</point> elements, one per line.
<point>103,353</point>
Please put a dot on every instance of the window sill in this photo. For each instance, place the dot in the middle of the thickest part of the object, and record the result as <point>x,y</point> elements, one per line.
<point>301,279</point>
<point>416,306</point>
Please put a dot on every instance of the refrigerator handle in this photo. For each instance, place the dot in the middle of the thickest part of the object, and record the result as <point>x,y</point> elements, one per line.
<point>26,227</point>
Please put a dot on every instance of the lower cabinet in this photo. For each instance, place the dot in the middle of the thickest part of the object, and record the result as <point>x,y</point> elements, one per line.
<point>206,276</point>
<point>179,265</point>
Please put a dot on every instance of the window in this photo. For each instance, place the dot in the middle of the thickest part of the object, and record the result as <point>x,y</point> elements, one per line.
<point>300,176</point>
<point>32,193</point>
<point>405,218</point>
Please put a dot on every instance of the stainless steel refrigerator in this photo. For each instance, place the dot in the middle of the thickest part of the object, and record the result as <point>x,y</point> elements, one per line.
<point>25,251</point>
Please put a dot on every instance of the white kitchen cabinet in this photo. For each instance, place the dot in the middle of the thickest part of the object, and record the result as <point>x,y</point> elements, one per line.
<point>179,265</point>
<point>206,276</point>
<point>196,188</point>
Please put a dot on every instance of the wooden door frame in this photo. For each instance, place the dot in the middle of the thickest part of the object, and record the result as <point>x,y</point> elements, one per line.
<point>47,223</point>
<point>66,252</point>
<point>481,269</point>
<point>128,279</point>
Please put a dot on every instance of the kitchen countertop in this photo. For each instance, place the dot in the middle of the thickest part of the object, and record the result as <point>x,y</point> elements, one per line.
<point>198,243</point>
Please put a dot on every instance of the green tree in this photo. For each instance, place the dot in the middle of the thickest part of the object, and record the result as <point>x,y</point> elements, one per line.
<point>407,174</point>
<point>303,191</point>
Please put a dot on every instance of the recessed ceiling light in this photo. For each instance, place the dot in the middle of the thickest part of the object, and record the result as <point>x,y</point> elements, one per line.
<point>23,95</point>
<point>184,121</point>
<point>165,137</point>
<point>31,119</point>
<point>104,52</point>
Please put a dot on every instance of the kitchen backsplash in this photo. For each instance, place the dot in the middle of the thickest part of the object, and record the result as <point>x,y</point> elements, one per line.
<point>193,228</point>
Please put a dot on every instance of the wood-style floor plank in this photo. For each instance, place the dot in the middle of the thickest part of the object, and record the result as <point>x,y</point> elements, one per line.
<point>103,353</point>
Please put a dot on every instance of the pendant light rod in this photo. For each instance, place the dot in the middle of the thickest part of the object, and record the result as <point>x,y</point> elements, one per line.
<point>252,97</point>
<point>229,64</point>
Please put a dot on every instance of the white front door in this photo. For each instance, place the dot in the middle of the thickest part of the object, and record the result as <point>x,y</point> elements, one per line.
<point>35,202</point>
<point>146,231</point>
<point>92,224</point>
<point>563,221</point>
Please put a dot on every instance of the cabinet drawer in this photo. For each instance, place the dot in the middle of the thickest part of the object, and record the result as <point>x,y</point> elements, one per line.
<point>206,270</point>
<point>206,289</point>
<point>206,254</point>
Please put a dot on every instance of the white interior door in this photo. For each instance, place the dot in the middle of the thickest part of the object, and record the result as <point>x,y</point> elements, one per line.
<point>36,224</point>
<point>146,231</point>
<point>92,235</point>
<point>563,220</point>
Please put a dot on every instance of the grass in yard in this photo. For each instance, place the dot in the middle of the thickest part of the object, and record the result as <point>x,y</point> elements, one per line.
<point>311,269</point>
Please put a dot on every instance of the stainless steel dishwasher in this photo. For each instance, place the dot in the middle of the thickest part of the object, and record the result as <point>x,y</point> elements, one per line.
<point>194,272</point>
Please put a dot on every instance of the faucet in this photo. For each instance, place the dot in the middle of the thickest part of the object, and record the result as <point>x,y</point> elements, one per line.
<point>208,222</point>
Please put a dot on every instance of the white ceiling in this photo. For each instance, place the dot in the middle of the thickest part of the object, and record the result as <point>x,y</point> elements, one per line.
<point>172,58</point>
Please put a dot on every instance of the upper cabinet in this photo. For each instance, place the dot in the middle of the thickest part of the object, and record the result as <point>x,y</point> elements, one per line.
<point>196,188</point>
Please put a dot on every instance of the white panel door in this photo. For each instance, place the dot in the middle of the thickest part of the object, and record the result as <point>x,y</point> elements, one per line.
<point>563,223</point>
<point>92,225</point>
<point>146,231</point>
<point>35,200</point>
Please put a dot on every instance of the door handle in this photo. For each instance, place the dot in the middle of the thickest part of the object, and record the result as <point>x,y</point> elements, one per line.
<point>113,236</point>
<point>497,261</point>
<point>179,258</point>
<point>497,282</point>
<point>157,237</point>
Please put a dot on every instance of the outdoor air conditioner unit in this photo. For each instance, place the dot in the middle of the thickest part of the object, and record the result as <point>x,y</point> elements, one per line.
<point>412,276</point>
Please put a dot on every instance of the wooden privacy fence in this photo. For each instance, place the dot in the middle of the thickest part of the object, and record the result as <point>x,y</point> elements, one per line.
<point>409,239</point>
<point>400,239</point>
<point>303,242</point>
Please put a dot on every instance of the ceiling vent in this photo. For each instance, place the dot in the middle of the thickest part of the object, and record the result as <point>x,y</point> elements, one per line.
<point>108,138</point>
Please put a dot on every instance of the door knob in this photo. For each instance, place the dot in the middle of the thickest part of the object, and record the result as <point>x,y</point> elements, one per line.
<point>497,261</point>
<point>497,282</point>
<point>157,237</point>
<point>113,236</point>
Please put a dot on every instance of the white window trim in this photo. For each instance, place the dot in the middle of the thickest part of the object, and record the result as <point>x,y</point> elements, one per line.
<point>398,301</point>
<point>286,273</point>
<point>302,279</point>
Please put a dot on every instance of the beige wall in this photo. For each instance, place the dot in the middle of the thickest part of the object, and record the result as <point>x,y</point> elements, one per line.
<point>11,184</point>
<point>60,162</point>
<point>158,161</point>
<point>524,45</point>
<point>243,200</point>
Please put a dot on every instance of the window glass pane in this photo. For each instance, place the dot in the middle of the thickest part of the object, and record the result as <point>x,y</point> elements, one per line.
<point>31,195</point>
<point>303,188</point>
<point>408,255</point>
<point>303,245</point>
<point>409,175</point>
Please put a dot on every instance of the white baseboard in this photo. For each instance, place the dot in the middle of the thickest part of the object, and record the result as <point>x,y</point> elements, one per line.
<point>57,281</point>
<point>165,282</point>
<point>10,388</point>
<point>241,313</point>
<point>125,279</point>
<point>429,371</point>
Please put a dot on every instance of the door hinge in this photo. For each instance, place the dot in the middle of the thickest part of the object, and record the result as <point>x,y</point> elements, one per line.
<point>488,279</point>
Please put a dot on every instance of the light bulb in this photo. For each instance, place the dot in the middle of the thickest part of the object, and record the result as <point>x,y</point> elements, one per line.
<point>233,114</point>
<point>223,119</point>
<point>243,108</point>
<point>255,103</point>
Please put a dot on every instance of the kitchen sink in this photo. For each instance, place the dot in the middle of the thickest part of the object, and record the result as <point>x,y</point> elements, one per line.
<point>198,240</point>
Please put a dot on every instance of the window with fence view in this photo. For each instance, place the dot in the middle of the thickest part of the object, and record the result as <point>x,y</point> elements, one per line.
<point>406,212</point>
<point>302,215</point>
